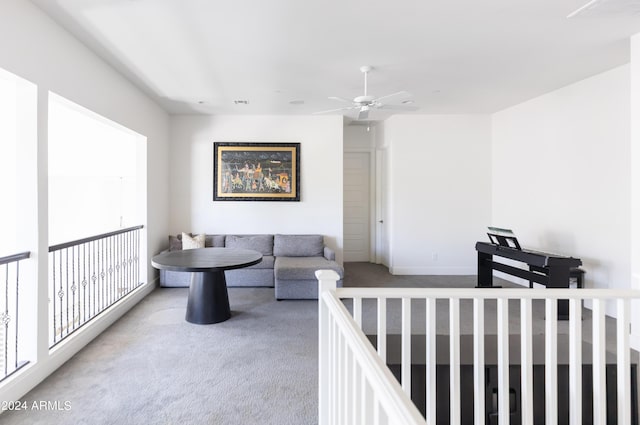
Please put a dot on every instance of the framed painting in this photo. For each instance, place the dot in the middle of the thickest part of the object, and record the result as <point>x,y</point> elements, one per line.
<point>256,171</point>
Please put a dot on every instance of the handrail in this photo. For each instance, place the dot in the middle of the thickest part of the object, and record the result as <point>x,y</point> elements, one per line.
<point>483,293</point>
<point>15,257</point>
<point>92,238</point>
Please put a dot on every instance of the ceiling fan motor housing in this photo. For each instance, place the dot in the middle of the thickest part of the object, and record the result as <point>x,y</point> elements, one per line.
<point>364,100</point>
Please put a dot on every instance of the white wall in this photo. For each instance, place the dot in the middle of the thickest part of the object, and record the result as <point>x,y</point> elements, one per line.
<point>33,47</point>
<point>358,139</point>
<point>320,207</point>
<point>561,174</point>
<point>439,187</point>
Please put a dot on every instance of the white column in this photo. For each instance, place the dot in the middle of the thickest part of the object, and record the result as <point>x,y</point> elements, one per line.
<point>42,256</point>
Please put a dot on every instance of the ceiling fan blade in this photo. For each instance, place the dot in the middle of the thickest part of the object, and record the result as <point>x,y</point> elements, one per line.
<point>363,114</point>
<point>340,99</point>
<point>398,94</point>
<point>399,107</point>
<point>334,110</point>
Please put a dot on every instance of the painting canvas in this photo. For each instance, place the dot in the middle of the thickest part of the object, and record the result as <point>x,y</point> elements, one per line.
<point>256,171</point>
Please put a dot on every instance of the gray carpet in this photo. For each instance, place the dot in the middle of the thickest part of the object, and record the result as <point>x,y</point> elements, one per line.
<point>259,367</point>
<point>152,367</point>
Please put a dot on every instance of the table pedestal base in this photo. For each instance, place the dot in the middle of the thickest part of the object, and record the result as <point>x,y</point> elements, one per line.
<point>208,298</point>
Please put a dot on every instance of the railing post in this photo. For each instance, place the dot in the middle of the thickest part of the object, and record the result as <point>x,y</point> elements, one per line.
<point>327,281</point>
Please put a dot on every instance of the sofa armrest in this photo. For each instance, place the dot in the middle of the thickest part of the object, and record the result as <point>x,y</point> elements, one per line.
<point>329,254</point>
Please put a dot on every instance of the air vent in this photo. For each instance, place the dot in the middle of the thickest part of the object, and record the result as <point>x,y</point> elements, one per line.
<point>241,102</point>
<point>597,8</point>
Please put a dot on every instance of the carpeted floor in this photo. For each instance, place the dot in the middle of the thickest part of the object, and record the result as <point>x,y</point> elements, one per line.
<point>152,367</point>
<point>259,367</point>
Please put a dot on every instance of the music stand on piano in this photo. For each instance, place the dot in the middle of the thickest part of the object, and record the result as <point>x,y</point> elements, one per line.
<point>503,237</point>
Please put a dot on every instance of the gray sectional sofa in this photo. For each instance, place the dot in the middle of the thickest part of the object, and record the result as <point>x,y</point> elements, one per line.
<point>289,263</point>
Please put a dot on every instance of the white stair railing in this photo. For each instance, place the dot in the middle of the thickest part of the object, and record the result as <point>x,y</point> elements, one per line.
<point>356,387</point>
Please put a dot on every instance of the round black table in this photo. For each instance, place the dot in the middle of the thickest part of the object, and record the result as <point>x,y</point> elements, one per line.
<point>208,298</point>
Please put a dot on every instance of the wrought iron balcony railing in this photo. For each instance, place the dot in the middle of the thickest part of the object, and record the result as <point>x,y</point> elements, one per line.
<point>88,276</point>
<point>10,354</point>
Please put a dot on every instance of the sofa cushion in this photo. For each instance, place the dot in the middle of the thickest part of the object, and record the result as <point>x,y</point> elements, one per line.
<point>175,242</point>
<point>215,241</point>
<point>261,243</point>
<point>195,242</point>
<point>298,245</point>
<point>267,263</point>
<point>303,268</point>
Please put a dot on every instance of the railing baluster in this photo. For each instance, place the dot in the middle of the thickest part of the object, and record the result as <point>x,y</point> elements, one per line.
<point>382,329</point>
<point>66,293</point>
<point>367,405</point>
<point>551,361</point>
<point>94,277</point>
<point>430,360</point>
<point>17,313</point>
<point>624,366</point>
<point>575,362</point>
<point>355,390</point>
<point>526,361</point>
<point>503,361</point>
<point>599,361</point>
<point>478,362</point>
<point>73,284</point>
<point>5,322</point>
<point>454,360</point>
<point>84,282</point>
<point>60,295</point>
<point>376,410</point>
<point>405,364</point>
<point>52,298</point>
<point>340,378</point>
<point>357,311</point>
<point>335,403</point>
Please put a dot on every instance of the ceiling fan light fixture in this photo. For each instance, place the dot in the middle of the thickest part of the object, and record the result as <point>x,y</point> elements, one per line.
<point>363,104</point>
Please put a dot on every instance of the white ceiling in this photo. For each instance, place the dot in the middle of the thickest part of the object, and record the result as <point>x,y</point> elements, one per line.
<point>453,56</point>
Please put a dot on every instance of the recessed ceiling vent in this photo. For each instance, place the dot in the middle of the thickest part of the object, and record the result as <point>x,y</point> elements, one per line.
<point>596,8</point>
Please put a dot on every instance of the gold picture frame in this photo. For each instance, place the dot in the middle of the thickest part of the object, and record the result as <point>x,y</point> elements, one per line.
<point>256,171</point>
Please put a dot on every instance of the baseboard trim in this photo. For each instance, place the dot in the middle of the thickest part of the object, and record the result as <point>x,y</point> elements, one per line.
<point>438,271</point>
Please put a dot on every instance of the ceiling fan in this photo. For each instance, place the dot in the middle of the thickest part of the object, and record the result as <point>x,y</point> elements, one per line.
<point>363,104</point>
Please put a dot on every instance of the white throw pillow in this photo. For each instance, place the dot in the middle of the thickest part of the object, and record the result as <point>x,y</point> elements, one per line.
<point>189,242</point>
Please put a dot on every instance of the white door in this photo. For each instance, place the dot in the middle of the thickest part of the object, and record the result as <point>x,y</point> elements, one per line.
<point>356,201</point>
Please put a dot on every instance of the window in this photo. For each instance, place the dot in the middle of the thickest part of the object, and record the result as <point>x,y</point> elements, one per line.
<point>92,173</point>
<point>8,164</point>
